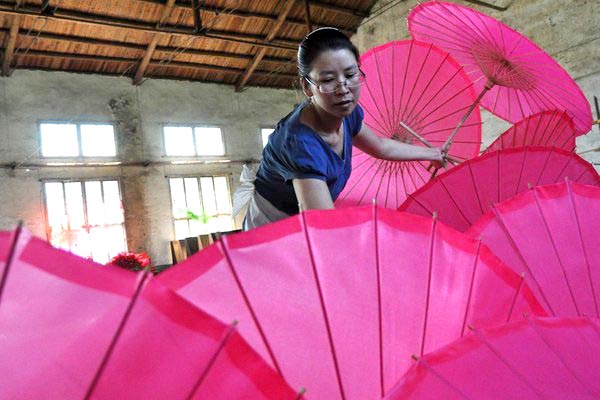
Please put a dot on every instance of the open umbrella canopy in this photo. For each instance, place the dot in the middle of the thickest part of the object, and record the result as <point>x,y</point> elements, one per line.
<point>551,234</point>
<point>72,329</point>
<point>521,78</point>
<point>413,93</point>
<point>538,358</point>
<point>548,128</point>
<point>462,195</point>
<point>338,300</point>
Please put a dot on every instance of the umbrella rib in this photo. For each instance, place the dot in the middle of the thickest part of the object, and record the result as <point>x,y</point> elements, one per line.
<point>514,302</point>
<point>580,237</point>
<point>415,199</point>
<point>373,162</point>
<point>428,293</point>
<point>224,246</point>
<point>475,186</point>
<point>424,90</point>
<point>379,307</point>
<point>400,101</point>
<point>548,132</point>
<point>504,361</point>
<point>520,256</point>
<point>381,164</point>
<point>212,360</point>
<point>583,383</point>
<point>117,334</point>
<point>441,180</point>
<point>451,128</point>
<point>442,378</point>
<point>385,172</point>
<point>11,255</point>
<point>389,182</point>
<point>498,175</point>
<point>322,303</point>
<point>543,169</point>
<point>471,284</point>
<point>582,173</point>
<point>562,172</point>
<point>384,121</point>
<point>413,86</point>
<point>390,123</point>
<point>521,171</point>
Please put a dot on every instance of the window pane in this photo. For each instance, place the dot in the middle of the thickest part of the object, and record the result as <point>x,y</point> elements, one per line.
<point>59,140</point>
<point>265,132</point>
<point>179,141</point>
<point>55,204</point>
<point>209,141</point>
<point>78,242</point>
<point>225,223</point>
<point>178,198</point>
<point>222,195</point>
<point>181,229</point>
<point>74,200</point>
<point>208,196</point>
<point>192,196</point>
<point>98,140</point>
<point>115,240</point>
<point>95,206</point>
<point>113,208</point>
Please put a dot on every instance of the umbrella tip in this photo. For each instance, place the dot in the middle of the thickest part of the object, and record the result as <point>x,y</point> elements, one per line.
<point>523,275</point>
<point>471,327</point>
<point>529,185</point>
<point>301,393</point>
<point>414,357</point>
<point>235,323</point>
<point>434,215</point>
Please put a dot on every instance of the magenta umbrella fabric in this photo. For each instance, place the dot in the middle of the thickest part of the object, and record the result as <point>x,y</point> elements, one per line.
<point>524,79</point>
<point>548,128</point>
<point>417,94</point>
<point>338,300</point>
<point>462,195</point>
<point>551,234</point>
<point>72,329</point>
<point>538,358</point>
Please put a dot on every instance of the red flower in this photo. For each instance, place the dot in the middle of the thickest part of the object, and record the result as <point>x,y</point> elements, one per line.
<point>131,261</point>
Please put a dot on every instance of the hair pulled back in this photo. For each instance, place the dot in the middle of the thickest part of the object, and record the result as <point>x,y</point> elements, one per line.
<point>318,41</point>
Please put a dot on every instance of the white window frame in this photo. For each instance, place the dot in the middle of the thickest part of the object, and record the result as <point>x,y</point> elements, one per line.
<point>193,127</point>
<point>198,178</point>
<point>262,134</point>
<point>78,125</point>
<point>87,226</point>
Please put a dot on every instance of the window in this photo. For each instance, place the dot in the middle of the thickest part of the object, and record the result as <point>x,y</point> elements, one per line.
<point>265,133</point>
<point>86,218</point>
<point>200,205</point>
<point>77,140</point>
<point>193,141</point>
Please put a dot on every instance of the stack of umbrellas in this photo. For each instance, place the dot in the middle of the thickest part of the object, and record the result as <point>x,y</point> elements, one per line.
<point>485,284</point>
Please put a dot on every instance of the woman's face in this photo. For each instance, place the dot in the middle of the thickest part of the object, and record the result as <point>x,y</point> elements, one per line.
<point>329,68</point>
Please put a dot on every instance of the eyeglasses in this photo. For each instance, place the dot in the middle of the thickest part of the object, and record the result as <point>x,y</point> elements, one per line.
<point>331,85</point>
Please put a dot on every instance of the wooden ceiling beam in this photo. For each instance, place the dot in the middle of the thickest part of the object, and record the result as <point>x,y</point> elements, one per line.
<point>139,73</point>
<point>6,8</point>
<point>154,63</point>
<point>287,7</point>
<point>9,51</point>
<point>40,35</point>
<point>270,17</point>
<point>309,25</point>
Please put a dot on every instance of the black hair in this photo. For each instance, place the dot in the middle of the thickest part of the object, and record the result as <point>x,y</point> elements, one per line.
<point>318,41</point>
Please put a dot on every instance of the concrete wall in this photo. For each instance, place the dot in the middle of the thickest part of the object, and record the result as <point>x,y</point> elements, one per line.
<point>566,29</point>
<point>138,113</point>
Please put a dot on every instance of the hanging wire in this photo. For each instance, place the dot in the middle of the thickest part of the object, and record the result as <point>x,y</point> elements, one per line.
<point>384,8</point>
<point>181,49</point>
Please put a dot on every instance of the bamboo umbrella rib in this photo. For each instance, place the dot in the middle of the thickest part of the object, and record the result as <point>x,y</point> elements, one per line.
<point>383,96</point>
<point>477,196</point>
<point>10,257</point>
<point>537,182</point>
<point>442,378</point>
<point>518,185</point>
<point>379,305</point>
<point>471,285</point>
<point>373,162</point>
<point>382,163</point>
<point>583,247</point>
<point>454,203</point>
<point>322,304</point>
<point>514,301</point>
<point>382,117</point>
<point>428,290</point>
<point>555,251</point>
<point>405,111</point>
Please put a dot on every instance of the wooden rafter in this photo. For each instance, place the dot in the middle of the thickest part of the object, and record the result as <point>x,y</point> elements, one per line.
<point>287,7</point>
<point>141,70</point>
<point>9,51</point>
<point>309,25</point>
<point>62,15</point>
<point>157,63</point>
<point>40,35</point>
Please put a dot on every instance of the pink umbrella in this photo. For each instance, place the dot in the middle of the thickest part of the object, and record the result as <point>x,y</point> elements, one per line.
<point>541,358</point>
<point>521,78</point>
<point>338,300</point>
<point>548,128</point>
<point>551,233</point>
<point>462,195</point>
<point>72,329</point>
<point>417,94</point>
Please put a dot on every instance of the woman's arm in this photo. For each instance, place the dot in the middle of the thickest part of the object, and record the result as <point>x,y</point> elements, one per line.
<point>312,194</point>
<point>393,150</point>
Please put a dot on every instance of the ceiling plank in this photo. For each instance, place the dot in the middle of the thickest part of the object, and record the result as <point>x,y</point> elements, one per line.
<point>154,63</point>
<point>6,8</point>
<point>309,25</point>
<point>287,7</point>
<point>41,35</point>
<point>9,51</point>
<point>139,73</point>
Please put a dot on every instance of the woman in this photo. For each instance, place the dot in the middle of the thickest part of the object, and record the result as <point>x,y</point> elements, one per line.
<point>307,160</point>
